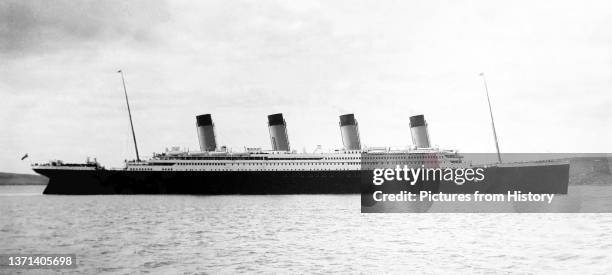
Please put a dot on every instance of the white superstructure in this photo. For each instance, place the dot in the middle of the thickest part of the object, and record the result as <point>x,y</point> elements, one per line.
<point>260,160</point>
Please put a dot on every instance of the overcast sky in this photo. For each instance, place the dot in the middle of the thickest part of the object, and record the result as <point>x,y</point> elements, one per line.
<point>548,64</point>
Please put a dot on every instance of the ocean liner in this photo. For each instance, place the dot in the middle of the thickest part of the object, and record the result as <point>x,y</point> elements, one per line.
<point>215,170</point>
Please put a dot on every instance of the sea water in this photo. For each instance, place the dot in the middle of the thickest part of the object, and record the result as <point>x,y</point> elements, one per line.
<point>294,234</point>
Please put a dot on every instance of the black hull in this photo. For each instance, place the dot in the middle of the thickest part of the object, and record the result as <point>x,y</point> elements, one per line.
<point>535,179</point>
<point>201,182</point>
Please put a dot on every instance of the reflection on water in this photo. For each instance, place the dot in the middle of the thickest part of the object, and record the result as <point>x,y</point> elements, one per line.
<point>302,233</point>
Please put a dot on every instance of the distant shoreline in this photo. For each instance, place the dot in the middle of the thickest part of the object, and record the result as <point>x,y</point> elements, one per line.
<point>22,179</point>
<point>583,171</point>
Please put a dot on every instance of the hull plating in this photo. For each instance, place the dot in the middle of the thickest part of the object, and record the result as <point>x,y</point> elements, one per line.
<point>536,179</point>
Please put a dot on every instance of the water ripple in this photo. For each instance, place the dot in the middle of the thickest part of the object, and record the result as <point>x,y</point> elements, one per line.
<point>294,234</point>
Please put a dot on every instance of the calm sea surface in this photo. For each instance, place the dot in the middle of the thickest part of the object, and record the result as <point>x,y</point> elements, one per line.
<point>298,233</point>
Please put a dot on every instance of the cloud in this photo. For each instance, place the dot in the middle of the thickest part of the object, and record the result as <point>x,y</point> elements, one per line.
<point>39,26</point>
<point>242,60</point>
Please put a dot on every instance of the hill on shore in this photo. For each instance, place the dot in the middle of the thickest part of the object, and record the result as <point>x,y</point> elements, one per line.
<point>583,171</point>
<point>22,179</point>
<point>590,171</point>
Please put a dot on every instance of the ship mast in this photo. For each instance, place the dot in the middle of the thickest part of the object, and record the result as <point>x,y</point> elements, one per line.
<point>129,114</point>
<point>492,121</point>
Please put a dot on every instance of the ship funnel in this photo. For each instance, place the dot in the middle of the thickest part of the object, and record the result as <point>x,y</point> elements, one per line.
<point>350,132</point>
<point>206,133</point>
<point>278,132</point>
<point>418,129</point>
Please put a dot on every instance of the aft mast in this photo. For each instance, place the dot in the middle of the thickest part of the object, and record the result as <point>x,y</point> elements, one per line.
<point>492,121</point>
